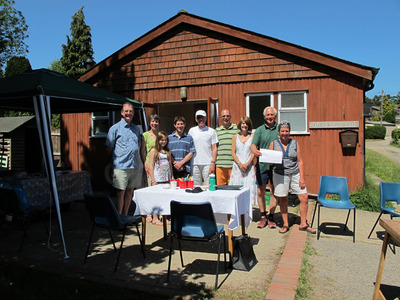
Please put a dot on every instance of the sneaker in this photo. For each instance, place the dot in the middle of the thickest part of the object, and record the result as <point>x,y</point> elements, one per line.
<point>262,223</point>
<point>271,224</point>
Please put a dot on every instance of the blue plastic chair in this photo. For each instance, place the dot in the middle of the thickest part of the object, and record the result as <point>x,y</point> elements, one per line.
<point>338,186</point>
<point>195,222</point>
<point>103,214</point>
<point>14,205</point>
<point>390,192</point>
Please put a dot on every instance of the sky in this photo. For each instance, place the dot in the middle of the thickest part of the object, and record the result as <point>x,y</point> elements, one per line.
<point>365,32</point>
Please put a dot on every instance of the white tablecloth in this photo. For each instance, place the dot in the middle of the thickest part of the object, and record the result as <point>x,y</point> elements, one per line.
<point>155,200</point>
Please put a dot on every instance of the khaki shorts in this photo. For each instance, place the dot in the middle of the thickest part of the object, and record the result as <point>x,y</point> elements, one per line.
<point>127,178</point>
<point>283,183</point>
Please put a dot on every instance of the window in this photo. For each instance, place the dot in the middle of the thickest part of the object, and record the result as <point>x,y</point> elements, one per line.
<point>255,104</point>
<point>292,107</point>
<point>100,124</point>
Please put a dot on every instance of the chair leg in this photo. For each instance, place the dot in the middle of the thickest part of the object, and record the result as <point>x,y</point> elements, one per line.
<point>112,240</point>
<point>90,240</point>
<point>354,227</point>
<point>219,254</point>
<point>224,250</point>
<point>315,209</point>
<point>375,224</point>
<point>180,251</point>
<point>120,249</point>
<point>140,240</point>
<point>318,231</point>
<point>170,254</point>
<point>347,219</point>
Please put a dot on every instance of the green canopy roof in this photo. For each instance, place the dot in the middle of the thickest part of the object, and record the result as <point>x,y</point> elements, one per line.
<point>67,95</point>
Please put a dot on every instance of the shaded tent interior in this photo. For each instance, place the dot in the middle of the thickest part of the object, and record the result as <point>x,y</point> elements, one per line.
<point>46,92</point>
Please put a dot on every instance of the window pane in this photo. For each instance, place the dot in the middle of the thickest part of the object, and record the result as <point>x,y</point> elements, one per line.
<point>292,100</point>
<point>257,105</point>
<point>297,119</point>
<point>100,127</point>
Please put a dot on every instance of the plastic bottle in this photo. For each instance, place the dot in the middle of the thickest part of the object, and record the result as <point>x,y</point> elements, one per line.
<point>212,182</point>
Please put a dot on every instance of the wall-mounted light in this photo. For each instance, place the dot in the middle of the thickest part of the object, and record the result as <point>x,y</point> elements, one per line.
<point>183,94</point>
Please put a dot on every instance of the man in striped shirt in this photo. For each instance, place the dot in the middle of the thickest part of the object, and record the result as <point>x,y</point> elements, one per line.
<point>224,155</point>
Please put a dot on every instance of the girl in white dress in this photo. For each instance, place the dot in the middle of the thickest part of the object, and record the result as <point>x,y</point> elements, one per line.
<point>243,172</point>
<point>160,164</point>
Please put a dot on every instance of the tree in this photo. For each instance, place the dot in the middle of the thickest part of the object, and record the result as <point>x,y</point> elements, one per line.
<point>17,65</point>
<point>13,32</point>
<point>56,65</point>
<point>79,46</point>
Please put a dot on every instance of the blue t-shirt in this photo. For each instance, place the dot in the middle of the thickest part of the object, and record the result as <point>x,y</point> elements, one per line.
<point>125,141</point>
<point>180,147</point>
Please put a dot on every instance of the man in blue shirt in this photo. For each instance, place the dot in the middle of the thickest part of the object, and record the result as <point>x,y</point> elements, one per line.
<point>182,148</point>
<point>124,141</point>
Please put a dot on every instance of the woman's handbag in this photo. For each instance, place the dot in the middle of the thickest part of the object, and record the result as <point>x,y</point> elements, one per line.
<point>243,258</point>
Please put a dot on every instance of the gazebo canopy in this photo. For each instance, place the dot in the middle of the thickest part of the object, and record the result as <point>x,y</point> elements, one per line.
<point>67,94</point>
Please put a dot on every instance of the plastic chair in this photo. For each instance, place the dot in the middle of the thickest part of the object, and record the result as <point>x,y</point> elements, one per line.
<point>103,214</point>
<point>390,192</point>
<point>195,222</point>
<point>14,207</point>
<point>338,186</point>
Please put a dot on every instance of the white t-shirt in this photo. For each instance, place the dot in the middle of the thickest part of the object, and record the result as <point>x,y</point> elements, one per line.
<point>203,140</point>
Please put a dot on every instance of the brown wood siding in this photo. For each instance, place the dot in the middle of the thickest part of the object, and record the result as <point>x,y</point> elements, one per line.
<point>189,59</point>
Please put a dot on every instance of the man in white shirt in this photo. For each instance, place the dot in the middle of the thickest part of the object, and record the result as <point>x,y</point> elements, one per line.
<point>205,141</point>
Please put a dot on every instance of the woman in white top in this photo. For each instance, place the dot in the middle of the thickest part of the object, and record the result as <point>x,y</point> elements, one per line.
<point>243,172</point>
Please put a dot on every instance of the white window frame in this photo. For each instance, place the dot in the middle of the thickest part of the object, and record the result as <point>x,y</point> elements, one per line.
<point>110,116</point>
<point>294,109</point>
<point>249,95</point>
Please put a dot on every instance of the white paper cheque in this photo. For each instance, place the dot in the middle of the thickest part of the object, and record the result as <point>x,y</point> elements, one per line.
<point>270,156</point>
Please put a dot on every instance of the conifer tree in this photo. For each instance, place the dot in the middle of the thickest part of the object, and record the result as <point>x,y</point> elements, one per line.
<point>79,46</point>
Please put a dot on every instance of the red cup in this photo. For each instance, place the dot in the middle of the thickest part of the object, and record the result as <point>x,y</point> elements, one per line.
<point>182,184</point>
<point>190,184</point>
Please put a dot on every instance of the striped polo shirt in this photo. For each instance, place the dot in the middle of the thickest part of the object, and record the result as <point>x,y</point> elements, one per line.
<point>224,154</point>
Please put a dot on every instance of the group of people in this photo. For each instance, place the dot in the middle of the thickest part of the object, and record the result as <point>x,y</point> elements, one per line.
<point>231,152</point>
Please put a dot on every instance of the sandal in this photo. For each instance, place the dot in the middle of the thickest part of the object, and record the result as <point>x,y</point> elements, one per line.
<point>284,229</point>
<point>149,219</point>
<point>158,222</point>
<point>308,229</point>
<point>271,224</point>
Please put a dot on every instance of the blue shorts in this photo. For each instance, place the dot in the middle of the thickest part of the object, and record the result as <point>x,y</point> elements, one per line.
<point>263,176</point>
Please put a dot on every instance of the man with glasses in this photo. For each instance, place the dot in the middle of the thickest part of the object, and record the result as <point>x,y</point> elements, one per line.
<point>262,139</point>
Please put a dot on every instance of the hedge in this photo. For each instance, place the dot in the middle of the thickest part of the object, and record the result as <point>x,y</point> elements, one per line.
<point>375,132</point>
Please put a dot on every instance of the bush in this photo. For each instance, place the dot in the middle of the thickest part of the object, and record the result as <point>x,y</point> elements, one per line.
<point>368,197</point>
<point>375,132</point>
<point>390,117</point>
<point>396,136</point>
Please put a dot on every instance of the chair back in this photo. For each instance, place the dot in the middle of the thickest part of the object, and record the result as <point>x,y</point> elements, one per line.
<point>193,220</point>
<point>11,203</point>
<point>390,192</point>
<point>333,185</point>
<point>102,210</point>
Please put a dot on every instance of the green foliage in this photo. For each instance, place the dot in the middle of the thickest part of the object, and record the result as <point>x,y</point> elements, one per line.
<point>368,197</point>
<point>396,136</point>
<point>55,121</point>
<point>78,48</point>
<point>13,32</point>
<point>304,288</point>
<point>390,116</point>
<point>17,65</point>
<point>375,132</point>
<point>57,66</point>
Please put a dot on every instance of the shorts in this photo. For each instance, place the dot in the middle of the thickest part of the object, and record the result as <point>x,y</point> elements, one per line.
<point>263,176</point>
<point>201,174</point>
<point>223,175</point>
<point>283,183</point>
<point>127,178</point>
